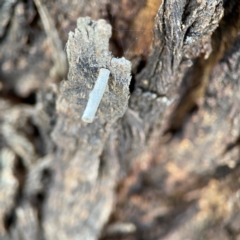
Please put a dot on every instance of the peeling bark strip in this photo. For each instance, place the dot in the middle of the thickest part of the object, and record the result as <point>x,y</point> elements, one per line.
<point>196,81</point>
<point>80,192</point>
<point>87,51</point>
<point>183,32</point>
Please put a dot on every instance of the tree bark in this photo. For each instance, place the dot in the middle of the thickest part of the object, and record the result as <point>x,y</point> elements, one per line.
<point>160,159</point>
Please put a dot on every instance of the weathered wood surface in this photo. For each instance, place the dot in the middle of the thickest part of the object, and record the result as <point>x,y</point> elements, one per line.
<point>168,169</point>
<point>84,182</point>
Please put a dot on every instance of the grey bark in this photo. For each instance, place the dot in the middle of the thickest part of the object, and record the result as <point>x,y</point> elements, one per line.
<point>160,163</point>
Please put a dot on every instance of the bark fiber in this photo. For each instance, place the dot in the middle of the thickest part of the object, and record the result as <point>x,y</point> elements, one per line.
<point>161,158</point>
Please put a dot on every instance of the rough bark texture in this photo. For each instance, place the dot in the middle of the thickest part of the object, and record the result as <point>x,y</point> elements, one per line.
<point>80,186</point>
<point>158,162</point>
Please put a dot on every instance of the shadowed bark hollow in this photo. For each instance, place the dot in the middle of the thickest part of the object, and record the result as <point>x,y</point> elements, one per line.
<point>161,158</point>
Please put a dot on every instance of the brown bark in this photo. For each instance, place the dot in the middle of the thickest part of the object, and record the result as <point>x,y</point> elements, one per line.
<point>163,164</point>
